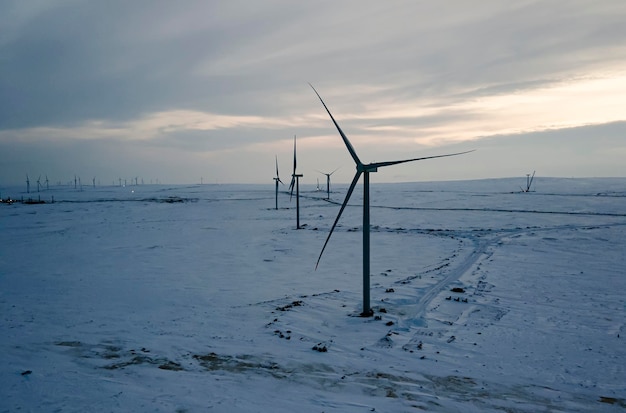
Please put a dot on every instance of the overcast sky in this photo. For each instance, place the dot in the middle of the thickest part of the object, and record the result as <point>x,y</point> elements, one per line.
<point>184,90</point>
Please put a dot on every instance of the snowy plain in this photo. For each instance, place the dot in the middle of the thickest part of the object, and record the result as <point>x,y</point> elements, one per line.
<point>157,298</point>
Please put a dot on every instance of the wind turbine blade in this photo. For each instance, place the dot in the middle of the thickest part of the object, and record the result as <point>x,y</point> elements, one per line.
<point>531,180</point>
<point>291,186</point>
<point>343,206</point>
<point>343,135</point>
<point>334,171</point>
<point>380,164</point>
<point>276,166</point>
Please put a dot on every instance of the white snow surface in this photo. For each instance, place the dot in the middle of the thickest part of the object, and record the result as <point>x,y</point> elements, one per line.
<point>205,298</point>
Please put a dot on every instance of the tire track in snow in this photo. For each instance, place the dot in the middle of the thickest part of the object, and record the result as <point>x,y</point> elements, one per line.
<point>479,249</point>
<point>481,243</point>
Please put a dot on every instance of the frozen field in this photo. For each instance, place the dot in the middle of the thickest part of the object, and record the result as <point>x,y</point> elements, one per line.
<point>205,298</point>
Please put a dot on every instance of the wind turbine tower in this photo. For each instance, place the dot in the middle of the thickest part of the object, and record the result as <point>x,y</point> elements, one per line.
<point>328,182</point>
<point>277,180</point>
<point>295,179</point>
<point>365,170</point>
<point>27,185</point>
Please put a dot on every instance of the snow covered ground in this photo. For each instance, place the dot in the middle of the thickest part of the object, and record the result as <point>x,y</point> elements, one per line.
<point>204,298</point>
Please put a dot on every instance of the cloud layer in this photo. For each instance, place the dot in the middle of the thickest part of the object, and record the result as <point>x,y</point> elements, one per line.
<point>215,89</point>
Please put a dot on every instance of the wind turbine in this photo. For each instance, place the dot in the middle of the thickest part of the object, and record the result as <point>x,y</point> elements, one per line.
<point>38,183</point>
<point>277,179</point>
<point>365,170</point>
<point>27,185</point>
<point>529,182</point>
<point>328,180</point>
<point>295,179</point>
<point>47,187</point>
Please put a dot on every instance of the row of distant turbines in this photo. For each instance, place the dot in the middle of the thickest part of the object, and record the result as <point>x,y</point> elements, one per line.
<point>295,183</point>
<point>361,169</point>
<point>295,176</point>
<point>79,185</point>
<point>39,184</point>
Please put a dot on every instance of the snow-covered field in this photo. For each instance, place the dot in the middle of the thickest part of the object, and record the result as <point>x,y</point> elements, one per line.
<point>204,298</point>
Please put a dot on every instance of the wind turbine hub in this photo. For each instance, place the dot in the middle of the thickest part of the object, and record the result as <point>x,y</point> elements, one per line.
<point>367,168</point>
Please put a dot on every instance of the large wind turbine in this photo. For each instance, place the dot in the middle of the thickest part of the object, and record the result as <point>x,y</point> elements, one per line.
<point>277,179</point>
<point>328,181</point>
<point>364,169</point>
<point>295,180</point>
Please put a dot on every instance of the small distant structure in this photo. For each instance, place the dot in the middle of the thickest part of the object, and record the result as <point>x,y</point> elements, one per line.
<point>27,184</point>
<point>529,182</point>
<point>31,201</point>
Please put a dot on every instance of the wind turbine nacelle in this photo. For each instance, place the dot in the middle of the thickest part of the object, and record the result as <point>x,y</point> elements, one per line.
<point>367,168</point>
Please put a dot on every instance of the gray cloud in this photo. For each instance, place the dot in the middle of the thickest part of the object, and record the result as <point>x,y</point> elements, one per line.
<point>66,63</point>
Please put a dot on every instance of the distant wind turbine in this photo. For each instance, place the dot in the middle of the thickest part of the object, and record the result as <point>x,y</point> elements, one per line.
<point>38,183</point>
<point>47,187</point>
<point>295,179</point>
<point>364,169</point>
<point>529,182</point>
<point>27,184</point>
<point>328,181</point>
<point>277,179</point>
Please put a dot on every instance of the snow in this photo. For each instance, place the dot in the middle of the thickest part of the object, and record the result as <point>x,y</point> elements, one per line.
<point>206,298</point>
